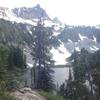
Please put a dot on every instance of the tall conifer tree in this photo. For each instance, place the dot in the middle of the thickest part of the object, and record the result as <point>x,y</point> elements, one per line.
<point>42,57</point>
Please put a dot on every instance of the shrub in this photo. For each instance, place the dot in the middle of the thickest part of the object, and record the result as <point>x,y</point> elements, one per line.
<point>51,96</point>
<point>5,96</point>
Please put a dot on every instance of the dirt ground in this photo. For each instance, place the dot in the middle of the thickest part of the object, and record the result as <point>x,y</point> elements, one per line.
<point>27,94</point>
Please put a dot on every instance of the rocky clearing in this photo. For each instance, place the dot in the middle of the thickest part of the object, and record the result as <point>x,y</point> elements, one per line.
<point>27,94</point>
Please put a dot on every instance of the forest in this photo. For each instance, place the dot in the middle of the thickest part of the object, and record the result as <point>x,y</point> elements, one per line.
<point>84,73</point>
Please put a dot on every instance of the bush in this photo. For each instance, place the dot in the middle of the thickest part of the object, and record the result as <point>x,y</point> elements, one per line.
<point>5,96</point>
<point>51,96</point>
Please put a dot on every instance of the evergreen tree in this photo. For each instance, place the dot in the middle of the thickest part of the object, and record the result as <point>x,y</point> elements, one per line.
<point>16,58</point>
<point>11,72</point>
<point>3,61</point>
<point>96,74</point>
<point>42,57</point>
<point>16,66</point>
<point>82,72</point>
<point>62,90</point>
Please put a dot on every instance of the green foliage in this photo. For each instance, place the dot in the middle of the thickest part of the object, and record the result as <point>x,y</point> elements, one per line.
<point>51,96</point>
<point>96,81</point>
<point>85,68</point>
<point>5,96</point>
<point>16,58</point>
<point>76,91</point>
<point>2,85</point>
<point>18,33</point>
<point>12,33</point>
<point>62,90</point>
<point>12,66</point>
<point>80,64</point>
<point>42,57</point>
<point>3,61</point>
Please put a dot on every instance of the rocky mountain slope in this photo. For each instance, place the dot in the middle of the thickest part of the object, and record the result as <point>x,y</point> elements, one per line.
<point>78,37</point>
<point>18,22</point>
<point>30,13</point>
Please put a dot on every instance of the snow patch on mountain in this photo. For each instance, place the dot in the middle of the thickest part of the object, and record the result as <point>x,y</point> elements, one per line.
<point>56,33</point>
<point>94,39</point>
<point>57,27</point>
<point>30,65</point>
<point>96,48</point>
<point>82,37</point>
<point>77,48</point>
<point>29,29</point>
<point>69,40</point>
<point>10,17</point>
<point>91,48</point>
<point>97,26</point>
<point>60,54</point>
<point>48,23</point>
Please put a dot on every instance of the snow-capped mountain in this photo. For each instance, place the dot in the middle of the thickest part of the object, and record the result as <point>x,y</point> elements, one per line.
<point>67,38</point>
<point>78,37</point>
<point>28,15</point>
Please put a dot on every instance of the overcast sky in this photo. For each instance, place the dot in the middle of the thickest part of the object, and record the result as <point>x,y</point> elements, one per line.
<point>72,12</point>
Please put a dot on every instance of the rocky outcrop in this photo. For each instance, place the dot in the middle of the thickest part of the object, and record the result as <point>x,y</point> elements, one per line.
<point>30,13</point>
<point>27,94</point>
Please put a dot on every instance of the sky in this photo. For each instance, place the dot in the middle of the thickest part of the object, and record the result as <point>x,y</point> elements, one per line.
<point>72,12</point>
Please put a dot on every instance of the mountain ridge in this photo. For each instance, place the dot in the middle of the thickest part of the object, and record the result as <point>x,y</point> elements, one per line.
<point>65,36</point>
<point>32,14</point>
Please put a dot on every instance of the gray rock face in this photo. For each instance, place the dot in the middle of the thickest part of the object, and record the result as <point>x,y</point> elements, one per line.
<point>3,11</point>
<point>76,38</point>
<point>30,13</point>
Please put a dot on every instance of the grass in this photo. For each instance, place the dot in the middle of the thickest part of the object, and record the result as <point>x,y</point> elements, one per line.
<point>51,96</point>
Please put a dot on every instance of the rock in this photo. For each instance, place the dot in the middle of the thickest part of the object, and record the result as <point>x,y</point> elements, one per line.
<point>27,94</point>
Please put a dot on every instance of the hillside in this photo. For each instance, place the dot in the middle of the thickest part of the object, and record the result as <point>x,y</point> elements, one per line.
<point>16,26</point>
